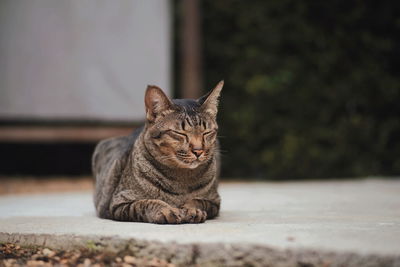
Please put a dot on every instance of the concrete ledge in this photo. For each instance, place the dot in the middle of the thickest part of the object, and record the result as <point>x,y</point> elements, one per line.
<point>347,223</point>
<point>204,254</point>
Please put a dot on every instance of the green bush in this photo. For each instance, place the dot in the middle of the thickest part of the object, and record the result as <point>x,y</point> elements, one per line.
<point>312,87</point>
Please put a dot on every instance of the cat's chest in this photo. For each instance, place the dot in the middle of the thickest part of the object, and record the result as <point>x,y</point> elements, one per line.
<point>172,187</point>
<point>180,194</point>
<point>175,192</point>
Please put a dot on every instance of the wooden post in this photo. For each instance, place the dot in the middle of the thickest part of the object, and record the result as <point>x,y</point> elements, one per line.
<point>191,49</point>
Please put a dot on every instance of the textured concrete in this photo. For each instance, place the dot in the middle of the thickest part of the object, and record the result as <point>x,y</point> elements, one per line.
<point>361,217</point>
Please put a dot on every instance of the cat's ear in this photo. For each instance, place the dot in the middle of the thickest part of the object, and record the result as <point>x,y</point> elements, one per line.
<point>156,102</point>
<point>209,102</point>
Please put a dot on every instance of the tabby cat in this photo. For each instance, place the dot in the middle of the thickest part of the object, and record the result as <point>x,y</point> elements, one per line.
<point>165,172</point>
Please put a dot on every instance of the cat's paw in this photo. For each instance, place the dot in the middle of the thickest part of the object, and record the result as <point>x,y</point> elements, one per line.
<point>193,215</point>
<point>167,215</point>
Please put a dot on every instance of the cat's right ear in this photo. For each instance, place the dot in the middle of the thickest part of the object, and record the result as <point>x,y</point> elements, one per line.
<point>156,102</point>
<point>209,102</point>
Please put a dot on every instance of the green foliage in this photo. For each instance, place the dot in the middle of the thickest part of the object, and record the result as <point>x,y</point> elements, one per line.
<point>311,87</point>
<point>93,246</point>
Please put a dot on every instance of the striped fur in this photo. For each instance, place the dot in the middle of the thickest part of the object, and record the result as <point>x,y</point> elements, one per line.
<point>153,175</point>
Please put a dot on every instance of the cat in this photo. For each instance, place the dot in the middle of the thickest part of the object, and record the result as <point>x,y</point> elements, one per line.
<point>167,171</point>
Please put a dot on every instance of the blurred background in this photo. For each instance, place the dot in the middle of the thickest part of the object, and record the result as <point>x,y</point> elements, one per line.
<point>311,87</point>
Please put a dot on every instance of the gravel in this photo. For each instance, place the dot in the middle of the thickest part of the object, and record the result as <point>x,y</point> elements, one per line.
<point>14,255</point>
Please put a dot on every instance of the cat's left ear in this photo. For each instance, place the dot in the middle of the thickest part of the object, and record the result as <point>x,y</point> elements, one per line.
<point>156,102</point>
<point>209,102</point>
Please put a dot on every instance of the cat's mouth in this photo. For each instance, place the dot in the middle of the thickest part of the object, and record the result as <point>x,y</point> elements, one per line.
<point>190,163</point>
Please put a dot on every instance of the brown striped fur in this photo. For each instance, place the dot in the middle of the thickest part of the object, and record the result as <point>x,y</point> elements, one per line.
<point>166,171</point>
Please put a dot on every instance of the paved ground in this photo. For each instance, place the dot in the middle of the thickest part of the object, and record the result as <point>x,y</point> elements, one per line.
<point>348,216</point>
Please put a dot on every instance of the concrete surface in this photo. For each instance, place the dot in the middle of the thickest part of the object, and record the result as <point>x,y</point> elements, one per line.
<point>361,217</point>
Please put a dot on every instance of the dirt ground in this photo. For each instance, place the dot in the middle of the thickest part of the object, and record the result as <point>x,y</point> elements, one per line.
<point>17,185</point>
<point>38,185</point>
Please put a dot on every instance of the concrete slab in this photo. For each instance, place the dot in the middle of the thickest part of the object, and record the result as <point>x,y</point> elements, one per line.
<point>360,217</point>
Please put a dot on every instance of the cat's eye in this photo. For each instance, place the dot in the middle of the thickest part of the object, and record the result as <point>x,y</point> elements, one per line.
<point>208,133</point>
<point>156,134</point>
<point>180,134</point>
<point>183,134</point>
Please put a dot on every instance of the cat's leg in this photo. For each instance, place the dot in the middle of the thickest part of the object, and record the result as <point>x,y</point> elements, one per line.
<point>198,209</point>
<point>124,207</point>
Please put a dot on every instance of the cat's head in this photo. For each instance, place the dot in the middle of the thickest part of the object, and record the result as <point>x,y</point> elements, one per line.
<point>181,133</point>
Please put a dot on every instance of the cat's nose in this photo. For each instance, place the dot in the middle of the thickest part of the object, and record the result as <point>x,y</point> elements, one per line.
<point>197,152</point>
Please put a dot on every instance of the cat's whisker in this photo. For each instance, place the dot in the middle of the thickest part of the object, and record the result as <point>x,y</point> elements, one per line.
<point>168,157</point>
<point>218,150</point>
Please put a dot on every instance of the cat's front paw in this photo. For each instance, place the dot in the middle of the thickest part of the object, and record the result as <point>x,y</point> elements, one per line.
<point>193,215</point>
<point>167,215</point>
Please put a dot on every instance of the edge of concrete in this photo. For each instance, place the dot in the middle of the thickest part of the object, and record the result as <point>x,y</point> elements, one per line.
<point>204,254</point>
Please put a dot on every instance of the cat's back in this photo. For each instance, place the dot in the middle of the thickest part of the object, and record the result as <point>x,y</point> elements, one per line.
<point>109,159</point>
<point>111,149</point>
<point>107,151</point>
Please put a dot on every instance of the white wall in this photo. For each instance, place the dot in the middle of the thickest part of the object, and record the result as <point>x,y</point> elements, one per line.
<point>80,59</point>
